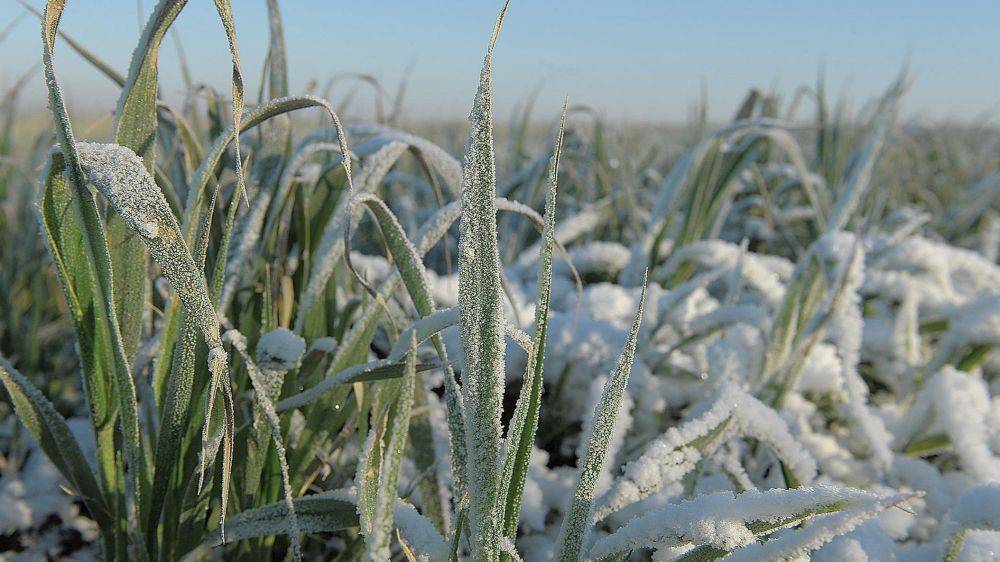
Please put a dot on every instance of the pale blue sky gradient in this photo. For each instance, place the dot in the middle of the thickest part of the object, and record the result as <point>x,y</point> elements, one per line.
<point>641,60</point>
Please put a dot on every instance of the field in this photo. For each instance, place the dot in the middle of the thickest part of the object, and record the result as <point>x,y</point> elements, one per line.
<point>256,326</point>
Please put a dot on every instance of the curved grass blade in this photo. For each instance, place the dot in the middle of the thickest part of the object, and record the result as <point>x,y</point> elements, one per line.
<point>822,530</point>
<point>254,118</point>
<point>52,434</point>
<point>64,235</point>
<point>332,243</point>
<point>330,511</point>
<point>411,270</point>
<point>98,264</point>
<point>118,174</point>
<point>749,517</point>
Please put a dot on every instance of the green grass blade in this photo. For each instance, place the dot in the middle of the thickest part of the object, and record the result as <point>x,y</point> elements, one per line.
<point>378,541</point>
<point>578,520</point>
<point>370,459</point>
<point>98,260</point>
<point>207,169</point>
<point>524,424</point>
<point>174,421</point>
<point>119,175</point>
<point>135,128</point>
<point>319,513</point>
<point>277,63</point>
<point>411,270</point>
<point>136,122</point>
<point>52,434</point>
<point>482,316</point>
<point>263,397</point>
<point>377,370</point>
<point>821,531</point>
<point>759,513</point>
<point>67,246</point>
<point>225,10</point>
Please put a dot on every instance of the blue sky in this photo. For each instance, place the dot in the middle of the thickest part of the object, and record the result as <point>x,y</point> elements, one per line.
<point>639,60</point>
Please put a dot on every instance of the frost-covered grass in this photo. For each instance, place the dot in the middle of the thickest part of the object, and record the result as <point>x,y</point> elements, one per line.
<point>771,339</point>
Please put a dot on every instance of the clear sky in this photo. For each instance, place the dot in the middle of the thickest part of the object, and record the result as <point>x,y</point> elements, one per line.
<point>639,60</point>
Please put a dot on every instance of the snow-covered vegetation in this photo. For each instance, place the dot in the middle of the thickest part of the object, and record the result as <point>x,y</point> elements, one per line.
<point>775,339</point>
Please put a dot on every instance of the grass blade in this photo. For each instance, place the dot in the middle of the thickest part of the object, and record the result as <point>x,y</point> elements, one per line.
<point>52,434</point>
<point>378,541</point>
<point>523,426</point>
<point>482,315</point>
<point>260,388</point>
<point>577,522</point>
<point>277,63</point>
<point>225,9</point>
<point>118,174</point>
<point>747,518</point>
<point>67,244</point>
<point>98,263</point>
<point>135,128</point>
<point>319,513</point>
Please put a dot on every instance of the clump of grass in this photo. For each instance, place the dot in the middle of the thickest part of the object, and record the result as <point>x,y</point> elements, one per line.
<point>756,317</point>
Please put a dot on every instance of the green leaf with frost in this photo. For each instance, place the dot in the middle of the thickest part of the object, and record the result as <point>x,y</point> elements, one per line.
<point>98,262</point>
<point>65,237</point>
<point>377,370</point>
<point>802,542</point>
<point>377,542</point>
<point>318,513</point>
<point>524,425</point>
<point>53,436</point>
<point>277,63</point>
<point>263,396</point>
<point>411,270</point>
<point>732,413</point>
<point>575,531</point>
<point>225,10</point>
<point>118,174</point>
<point>724,524</point>
<point>261,114</point>
<point>135,128</point>
<point>482,315</point>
